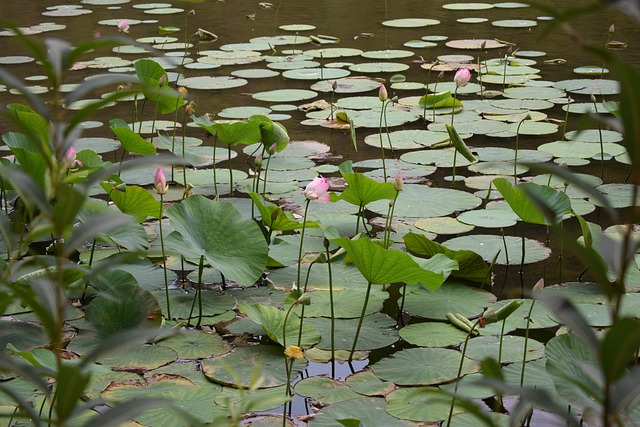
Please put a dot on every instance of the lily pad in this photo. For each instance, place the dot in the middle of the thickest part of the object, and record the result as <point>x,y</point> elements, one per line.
<point>210,83</point>
<point>512,348</point>
<point>442,225</point>
<point>387,54</point>
<point>139,359</point>
<point>475,44</point>
<point>451,297</point>
<point>432,334</point>
<point>367,384</point>
<point>285,95</point>
<point>195,344</point>
<point>514,23</point>
<point>437,366</point>
<point>590,86</point>
<point>325,390</point>
<point>378,331</point>
<point>487,246</point>
<point>368,410</point>
<point>427,404</point>
<point>410,22</point>
<point>379,67</point>
<point>237,367</point>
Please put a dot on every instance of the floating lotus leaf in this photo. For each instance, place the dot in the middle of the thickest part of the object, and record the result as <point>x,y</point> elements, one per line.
<point>387,54</point>
<point>440,158</point>
<point>209,82</point>
<point>407,139</point>
<point>487,246</point>
<point>535,116</point>
<point>451,297</point>
<point>522,104</point>
<point>514,23</point>
<point>471,20</point>
<point>240,364</point>
<point>347,302</point>
<point>489,218</point>
<point>434,38</point>
<point>15,59</point>
<point>347,85</point>
<point>499,154</point>
<point>258,73</point>
<point>432,334</point>
<point>243,112</point>
<point>418,201</point>
<point>281,40</point>
<point>480,127</point>
<point>509,80</point>
<point>585,150</point>
<point>325,390</point>
<point>594,135</point>
<point>533,93</point>
<point>419,44</point>
<point>371,118</point>
<point>510,5</point>
<point>333,52</point>
<point>512,348</point>
<point>195,344</point>
<point>442,225</point>
<point>407,86</point>
<point>378,331</point>
<point>285,95</point>
<point>164,11</point>
<point>588,107</point>
<point>410,22</point>
<point>293,65</point>
<point>591,70</point>
<point>359,103</point>
<point>96,144</point>
<point>451,86</point>
<point>467,419</point>
<point>475,44</point>
<point>368,410</point>
<point>590,86</point>
<point>510,70</point>
<point>497,168</point>
<point>437,366</point>
<point>139,359</point>
<point>213,303</point>
<point>467,6</point>
<point>379,67</point>
<point>297,27</point>
<point>427,404</point>
<point>618,195</point>
<point>367,384</point>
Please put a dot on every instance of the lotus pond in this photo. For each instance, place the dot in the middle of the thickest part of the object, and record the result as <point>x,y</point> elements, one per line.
<point>171,257</point>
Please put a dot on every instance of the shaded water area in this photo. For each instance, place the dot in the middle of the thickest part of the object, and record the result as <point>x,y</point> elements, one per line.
<point>357,24</point>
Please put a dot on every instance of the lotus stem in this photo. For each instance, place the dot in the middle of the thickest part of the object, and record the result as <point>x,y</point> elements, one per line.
<point>364,310</point>
<point>455,389</point>
<point>304,226</point>
<point>215,181</point>
<point>164,258</point>
<point>595,107</point>
<point>455,151</point>
<point>230,170</point>
<point>266,170</point>
<point>515,157</point>
<point>384,166</point>
<point>566,118</point>
<point>306,282</point>
<point>526,342</point>
<point>333,317</point>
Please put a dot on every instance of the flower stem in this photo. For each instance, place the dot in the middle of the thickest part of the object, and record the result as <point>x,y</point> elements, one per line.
<point>304,226</point>
<point>364,310</point>
<point>164,258</point>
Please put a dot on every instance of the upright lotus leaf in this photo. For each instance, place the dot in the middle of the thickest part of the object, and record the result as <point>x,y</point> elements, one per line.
<point>439,100</point>
<point>621,343</point>
<point>29,121</point>
<point>130,140</point>
<point>459,144</point>
<point>241,132</point>
<point>217,231</point>
<point>154,84</point>
<point>271,132</point>
<point>471,266</point>
<point>275,218</point>
<point>381,266</point>
<point>362,190</point>
<point>30,158</point>
<point>521,199</point>
<point>272,321</point>
<point>134,200</point>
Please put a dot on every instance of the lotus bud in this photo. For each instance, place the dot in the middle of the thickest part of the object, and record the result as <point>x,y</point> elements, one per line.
<point>398,184</point>
<point>334,85</point>
<point>123,26</point>
<point>163,80</point>
<point>493,316</point>
<point>395,99</point>
<point>440,75</point>
<point>122,187</point>
<point>304,299</point>
<point>70,160</point>
<point>272,149</point>
<point>538,287</point>
<point>326,243</point>
<point>190,108</point>
<point>462,77</point>
<point>593,99</point>
<point>612,29</point>
<point>258,162</point>
<point>160,183</point>
<point>293,352</point>
<point>483,45</point>
<point>382,93</point>
<point>184,92</point>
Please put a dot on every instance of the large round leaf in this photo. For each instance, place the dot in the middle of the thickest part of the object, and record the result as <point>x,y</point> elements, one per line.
<point>512,348</point>
<point>370,411</point>
<point>487,246</point>
<point>437,366</point>
<point>419,201</point>
<point>378,330</point>
<point>420,404</point>
<point>217,231</point>
<point>449,298</point>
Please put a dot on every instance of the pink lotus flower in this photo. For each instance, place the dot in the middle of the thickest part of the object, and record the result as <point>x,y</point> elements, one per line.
<point>70,160</point>
<point>317,190</point>
<point>160,182</point>
<point>462,77</point>
<point>382,93</point>
<point>123,26</point>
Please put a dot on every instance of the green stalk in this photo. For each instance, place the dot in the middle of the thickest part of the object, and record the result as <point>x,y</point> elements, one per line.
<point>304,226</point>
<point>515,157</point>
<point>384,166</point>
<point>455,152</point>
<point>364,310</point>
<point>526,342</point>
<point>595,107</point>
<point>230,171</point>
<point>306,282</point>
<point>164,258</point>
<point>333,317</point>
<point>215,181</point>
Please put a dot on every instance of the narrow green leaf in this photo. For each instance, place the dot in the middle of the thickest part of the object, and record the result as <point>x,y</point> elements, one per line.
<point>621,343</point>
<point>131,141</point>
<point>459,144</point>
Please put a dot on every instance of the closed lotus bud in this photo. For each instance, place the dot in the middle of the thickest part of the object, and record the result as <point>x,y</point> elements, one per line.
<point>462,77</point>
<point>382,93</point>
<point>304,299</point>
<point>612,29</point>
<point>334,85</point>
<point>593,99</point>
<point>493,316</point>
<point>163,80</point>
<point>398,184</point>
<point>258,162</point>
<point>160,182</point>
<point>538,287</point>
<point>272,149</point>
<point>440,75</point>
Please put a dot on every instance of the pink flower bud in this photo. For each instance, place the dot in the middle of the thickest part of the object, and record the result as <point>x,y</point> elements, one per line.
<point>123,26</point>
<point>539,286</point>
<point>462,77</point>
<point>160,182</point>
<point>70,160</point>
<point>317,190</point>
<point>399,182</point>
<point>382,94</point>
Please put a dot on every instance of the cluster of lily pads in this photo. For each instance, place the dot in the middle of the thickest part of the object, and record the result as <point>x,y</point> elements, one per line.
<point>171,276</point>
